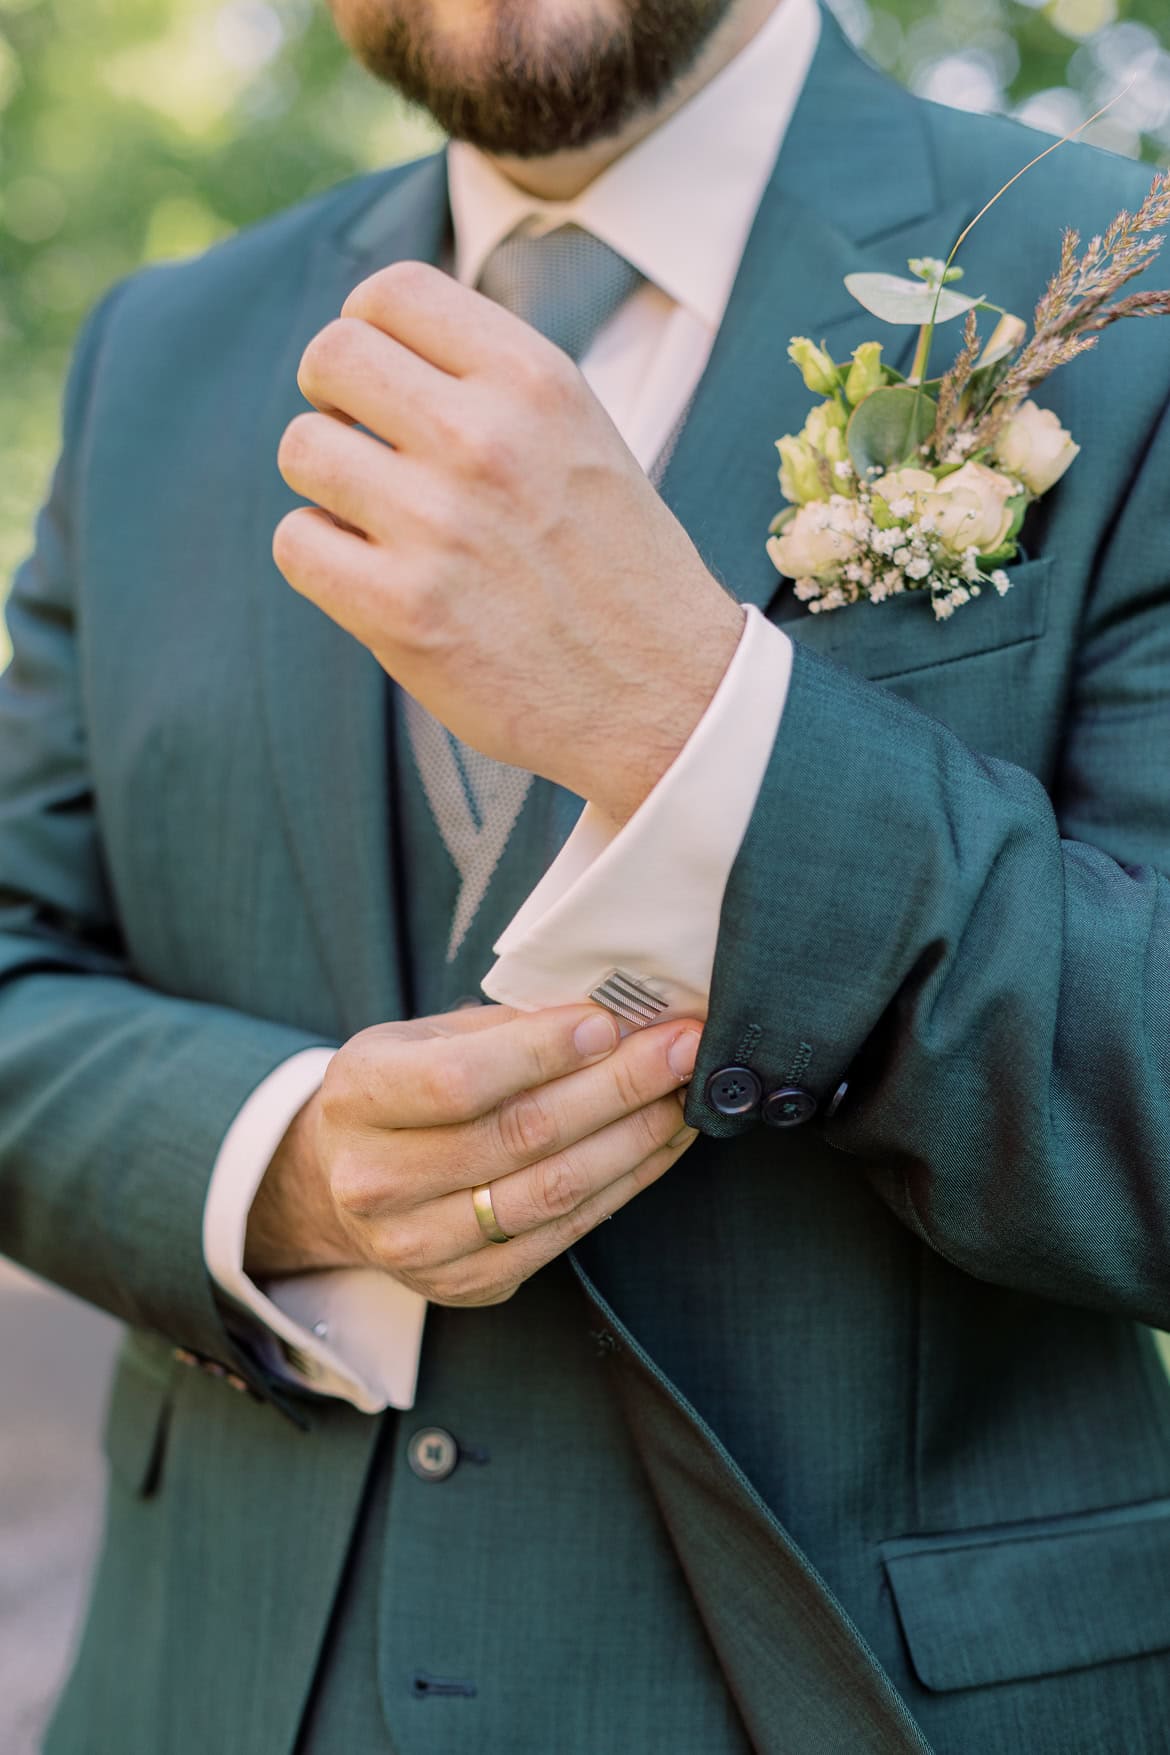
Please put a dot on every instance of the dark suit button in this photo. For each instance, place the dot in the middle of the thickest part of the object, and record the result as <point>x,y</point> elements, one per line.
<point>432,1453</point>
<point>788,1106</point>
<point>734,1090</point>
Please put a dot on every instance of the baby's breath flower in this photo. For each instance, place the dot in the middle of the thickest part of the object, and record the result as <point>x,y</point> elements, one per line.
<point>1001,581</point>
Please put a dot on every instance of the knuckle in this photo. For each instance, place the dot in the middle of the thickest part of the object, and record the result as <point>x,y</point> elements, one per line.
<point>630,1081</point>
<point>527,1126</point>
<point>329,348</point>
<point>406,1251</point>
<point>648,1133</point>
<point>286,541</point>
<point>356,1185</point>
<point>492,455</point>
<point>297,444</point>
<point>468,1285</point>
<point>447,1087</point>
<point>560,1186</point>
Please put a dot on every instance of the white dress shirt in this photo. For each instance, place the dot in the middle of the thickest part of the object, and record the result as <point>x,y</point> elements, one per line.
<point>679,205</point>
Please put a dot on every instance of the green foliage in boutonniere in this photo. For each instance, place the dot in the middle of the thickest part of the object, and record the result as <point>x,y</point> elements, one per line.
<point>917,484</point>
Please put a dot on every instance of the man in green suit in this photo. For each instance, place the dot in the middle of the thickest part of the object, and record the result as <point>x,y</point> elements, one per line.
<point>849,1432</point>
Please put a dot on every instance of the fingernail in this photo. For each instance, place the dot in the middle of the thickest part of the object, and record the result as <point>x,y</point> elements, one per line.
<point>683,1137</point>
<point>595,1035</point>
<point>682,1053</point>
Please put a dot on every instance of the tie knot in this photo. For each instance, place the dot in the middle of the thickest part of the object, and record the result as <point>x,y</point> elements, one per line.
<point>566,283</point>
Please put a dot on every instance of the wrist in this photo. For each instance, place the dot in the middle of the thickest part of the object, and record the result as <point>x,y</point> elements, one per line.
<point>678,702</point>
<point>293,1225</point>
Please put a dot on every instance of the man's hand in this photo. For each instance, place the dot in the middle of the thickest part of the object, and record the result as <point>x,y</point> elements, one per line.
<point>565,1122</point>
<point>499,550</point>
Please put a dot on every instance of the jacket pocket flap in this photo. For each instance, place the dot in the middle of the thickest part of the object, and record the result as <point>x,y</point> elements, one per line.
<point>879,640</point>
<point>1018,1600</point>
<point>138,1411</point>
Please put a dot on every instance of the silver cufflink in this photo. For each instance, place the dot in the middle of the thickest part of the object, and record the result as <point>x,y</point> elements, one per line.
<point>630,999</point>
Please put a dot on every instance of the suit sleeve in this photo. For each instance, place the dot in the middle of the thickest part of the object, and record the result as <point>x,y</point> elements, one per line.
<point>114,1097</point>
<point>984,961</point>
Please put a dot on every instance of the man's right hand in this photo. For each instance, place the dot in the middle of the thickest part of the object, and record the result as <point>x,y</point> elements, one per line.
<point>564,1119</point>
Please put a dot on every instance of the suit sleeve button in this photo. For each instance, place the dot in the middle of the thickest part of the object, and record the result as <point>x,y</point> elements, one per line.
<point>788,1106</point>
<point>432,1453</point>
<point>734,1090</point>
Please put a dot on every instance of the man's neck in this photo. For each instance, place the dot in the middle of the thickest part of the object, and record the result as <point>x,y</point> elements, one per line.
<point>561,176</point>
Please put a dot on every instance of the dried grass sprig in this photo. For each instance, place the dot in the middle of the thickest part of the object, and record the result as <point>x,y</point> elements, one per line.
<point>955,384</point>
<point>1081,300</point>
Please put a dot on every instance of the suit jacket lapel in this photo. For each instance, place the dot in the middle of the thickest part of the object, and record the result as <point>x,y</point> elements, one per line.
<point>325,696</point>
<point>827,211</point>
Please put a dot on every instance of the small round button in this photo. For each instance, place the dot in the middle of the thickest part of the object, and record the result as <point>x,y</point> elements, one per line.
<point>734,1090</point>
<point>788,1106</point>
<point>432,1453</point>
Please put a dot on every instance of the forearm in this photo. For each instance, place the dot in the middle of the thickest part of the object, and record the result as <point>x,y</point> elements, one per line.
<point>113,1102</point>
<point>992,992</point>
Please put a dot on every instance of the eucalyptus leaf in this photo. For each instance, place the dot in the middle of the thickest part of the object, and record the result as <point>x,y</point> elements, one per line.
<point>895,299</point>
<point>886,429</point>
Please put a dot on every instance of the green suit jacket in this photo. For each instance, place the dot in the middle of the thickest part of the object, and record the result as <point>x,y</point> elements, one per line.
<point>873,1441</point>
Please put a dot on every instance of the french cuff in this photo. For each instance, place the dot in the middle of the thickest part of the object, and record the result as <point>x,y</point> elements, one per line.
<point>631,914</point>
<point>353,1333</point>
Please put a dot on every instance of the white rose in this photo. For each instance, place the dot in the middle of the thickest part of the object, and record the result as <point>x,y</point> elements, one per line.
<point>969,509</point>
<point>809,547</point>
<point>902,484</point>
<point>1035,447</point>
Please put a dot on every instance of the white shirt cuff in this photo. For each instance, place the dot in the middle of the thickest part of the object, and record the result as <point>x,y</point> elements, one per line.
<point>353,1333</point>
<point>645,899</point>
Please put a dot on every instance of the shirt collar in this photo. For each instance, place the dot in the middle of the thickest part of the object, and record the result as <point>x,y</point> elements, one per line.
<point>679,204</point>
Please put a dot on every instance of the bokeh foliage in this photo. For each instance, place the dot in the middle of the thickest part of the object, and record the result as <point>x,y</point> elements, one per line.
<point>132,130</point>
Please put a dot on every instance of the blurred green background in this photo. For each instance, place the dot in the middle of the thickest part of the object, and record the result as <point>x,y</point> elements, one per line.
<point>132,130</point>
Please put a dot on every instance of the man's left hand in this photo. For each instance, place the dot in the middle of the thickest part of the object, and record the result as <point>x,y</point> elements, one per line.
<point>492,541</point>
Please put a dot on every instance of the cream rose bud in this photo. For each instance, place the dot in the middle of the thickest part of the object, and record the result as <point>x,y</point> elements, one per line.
<point>815,365</point>
<point>1035,447</point>
<point>865,374</point>
<point>969,509</point>
<point>809,546</point>
<point>800,472</point>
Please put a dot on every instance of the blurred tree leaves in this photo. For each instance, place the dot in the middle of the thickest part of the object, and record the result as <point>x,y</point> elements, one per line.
<point>132,130</point>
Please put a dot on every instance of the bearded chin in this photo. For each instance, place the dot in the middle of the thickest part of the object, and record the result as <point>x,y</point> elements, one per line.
<point>523,91</point>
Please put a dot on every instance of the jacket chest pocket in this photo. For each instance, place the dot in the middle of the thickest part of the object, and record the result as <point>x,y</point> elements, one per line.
<point>893,639</point>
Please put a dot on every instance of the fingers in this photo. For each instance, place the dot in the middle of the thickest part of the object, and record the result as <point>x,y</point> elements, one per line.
<point>437,1080</point>
<point>553,1189</point>
<point>456,329</point>
<point>536,1125</point>
<point>339,571</point>
<point>493,1273</point>
<point>367,374</point>
<point>343,469</point>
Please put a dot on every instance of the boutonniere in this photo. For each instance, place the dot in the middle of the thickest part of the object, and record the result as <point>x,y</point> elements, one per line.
<point>916,483</point>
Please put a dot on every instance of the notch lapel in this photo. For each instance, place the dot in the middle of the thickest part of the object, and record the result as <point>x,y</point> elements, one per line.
<point>325,696</point>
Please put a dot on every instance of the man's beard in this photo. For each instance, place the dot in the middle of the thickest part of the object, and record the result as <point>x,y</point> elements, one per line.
<point>528,88</point>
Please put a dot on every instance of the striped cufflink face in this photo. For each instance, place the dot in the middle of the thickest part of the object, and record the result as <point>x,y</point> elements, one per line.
<point>629,999</point>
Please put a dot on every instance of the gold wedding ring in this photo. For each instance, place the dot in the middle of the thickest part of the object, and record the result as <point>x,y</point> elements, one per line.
<point>485,1214</point>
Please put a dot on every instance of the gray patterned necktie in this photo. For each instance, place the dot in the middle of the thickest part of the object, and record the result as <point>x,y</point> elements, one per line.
<point>566,283</point>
